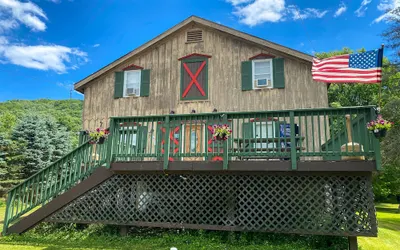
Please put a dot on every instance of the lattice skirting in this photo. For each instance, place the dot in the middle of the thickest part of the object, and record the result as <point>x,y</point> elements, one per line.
<point>312,203</point>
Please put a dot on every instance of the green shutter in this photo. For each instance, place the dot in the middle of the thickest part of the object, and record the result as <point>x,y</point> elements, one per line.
<point>279,73</point>
<point>248,133</point>
<point>247,78</point>
<point>119,85</point>
<point>141,140</point>
<point>145,83</point>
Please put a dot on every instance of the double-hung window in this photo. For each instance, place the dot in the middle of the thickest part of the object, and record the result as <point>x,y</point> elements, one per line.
<point>132,83</point>
<point>262,73</point>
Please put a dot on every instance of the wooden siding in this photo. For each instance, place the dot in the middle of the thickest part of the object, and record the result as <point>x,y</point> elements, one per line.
<point>224,81</point>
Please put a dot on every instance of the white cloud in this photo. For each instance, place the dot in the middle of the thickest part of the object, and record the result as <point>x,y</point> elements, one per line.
<point>26,13</point>
<point>65,85</point>
<point>237,2</point>
<point>3,40</point>
<point>363,7</point>
<point>7,24</point>
<point>386,6</point>
<point>306,13</point>
<point>96,45</point>
<point>68,85</point>
<point>260,11</point>
<point>43,57</point>
<point>342,8</point>
<point>254,12</point>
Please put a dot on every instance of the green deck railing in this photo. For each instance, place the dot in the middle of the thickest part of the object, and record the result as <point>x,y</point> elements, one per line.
<point>304,134</point>
<point>284,135</point>
<point>53,181</point>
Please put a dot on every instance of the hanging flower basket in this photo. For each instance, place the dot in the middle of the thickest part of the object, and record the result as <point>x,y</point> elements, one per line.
<point>379,126</point>
<point>98,136</point>
<point>380,133</point>
<point>221,132</point>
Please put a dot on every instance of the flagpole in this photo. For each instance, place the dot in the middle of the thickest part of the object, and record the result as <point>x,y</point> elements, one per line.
<point>380,84</point>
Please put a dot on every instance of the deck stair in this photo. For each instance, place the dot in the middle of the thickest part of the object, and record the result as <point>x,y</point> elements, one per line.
<point>49,185</point>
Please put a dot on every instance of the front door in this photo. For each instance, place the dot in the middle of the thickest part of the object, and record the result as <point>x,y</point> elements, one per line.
<point>193,141</point>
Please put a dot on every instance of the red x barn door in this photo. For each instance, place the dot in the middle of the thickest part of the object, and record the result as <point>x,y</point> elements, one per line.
<point>194,79</point>
<point>174,138</point>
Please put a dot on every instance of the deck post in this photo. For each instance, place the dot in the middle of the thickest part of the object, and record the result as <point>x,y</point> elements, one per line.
<point>377,146</point>
<point>293,147</point>
<point>7,214</point>
<point>225,146</point>
<point>123,230</point>
<point>110,143</point>
<point>353,245</point>
<point>167,141</point>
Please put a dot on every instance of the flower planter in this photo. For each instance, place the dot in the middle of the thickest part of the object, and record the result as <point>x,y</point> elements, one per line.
<point>101,140</point>
<point>381,133</point>
<point>222,137</point>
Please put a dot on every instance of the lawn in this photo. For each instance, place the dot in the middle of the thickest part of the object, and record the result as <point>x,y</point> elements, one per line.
<point>388,229</point>
<point>65,237</point>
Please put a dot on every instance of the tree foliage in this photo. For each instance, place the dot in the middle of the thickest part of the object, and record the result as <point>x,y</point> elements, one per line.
<point>386,95</point>
<point>44,142</point>
<point>35,133</point>
<point>392,34</point>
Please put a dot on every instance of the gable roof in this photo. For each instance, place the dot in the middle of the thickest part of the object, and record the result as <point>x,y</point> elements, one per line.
<point>79,85</point>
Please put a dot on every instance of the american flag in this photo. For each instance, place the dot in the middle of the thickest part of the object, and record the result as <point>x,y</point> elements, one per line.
<point>354,68</point>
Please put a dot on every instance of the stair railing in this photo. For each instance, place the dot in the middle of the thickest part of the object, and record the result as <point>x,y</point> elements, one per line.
<point>53,180</point>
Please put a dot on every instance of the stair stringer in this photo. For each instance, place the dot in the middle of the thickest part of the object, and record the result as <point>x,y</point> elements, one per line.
<point>98,176</point>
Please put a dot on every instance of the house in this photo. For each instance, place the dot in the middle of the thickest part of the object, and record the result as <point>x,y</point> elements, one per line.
<point>235,72</point>
<point>161,166</point>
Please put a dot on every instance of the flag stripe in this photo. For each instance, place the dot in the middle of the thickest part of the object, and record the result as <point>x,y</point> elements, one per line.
<point>355,74</point>
<point>348,79</point>
<point>349,70</point>
<point>348,76</point>
<point>336,61</point>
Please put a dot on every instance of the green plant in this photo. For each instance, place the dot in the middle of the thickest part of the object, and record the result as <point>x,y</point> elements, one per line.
<point>98,136</point>
<point>221,132</point>
<point>379,124</point>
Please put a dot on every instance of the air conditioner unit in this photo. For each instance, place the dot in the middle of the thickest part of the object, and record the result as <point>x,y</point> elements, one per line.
<point>132,92</point>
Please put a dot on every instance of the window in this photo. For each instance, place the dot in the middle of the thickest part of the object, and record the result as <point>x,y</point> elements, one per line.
<point>262,73</point>
<point>132,83</point>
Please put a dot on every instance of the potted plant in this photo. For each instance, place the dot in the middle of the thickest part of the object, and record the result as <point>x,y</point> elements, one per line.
<point>379,126</point>
<point>98,136</point>
<point>221,132</point>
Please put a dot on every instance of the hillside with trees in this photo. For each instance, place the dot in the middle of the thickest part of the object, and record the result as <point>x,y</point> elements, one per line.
<point>34,134</point>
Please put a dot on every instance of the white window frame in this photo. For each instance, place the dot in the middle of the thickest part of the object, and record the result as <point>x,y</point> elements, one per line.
<point>126,78</point>
<point>255,86</point>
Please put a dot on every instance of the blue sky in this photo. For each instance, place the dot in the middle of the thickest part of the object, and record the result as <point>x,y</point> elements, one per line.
<point>47,45</point>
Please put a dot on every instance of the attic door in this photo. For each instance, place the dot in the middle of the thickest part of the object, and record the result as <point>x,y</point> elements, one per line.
<point>194,79</point>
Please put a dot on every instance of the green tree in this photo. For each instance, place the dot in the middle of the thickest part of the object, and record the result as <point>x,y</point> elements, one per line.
<point>387,94</point>
<point>45,142</point>
<point>392,34</point>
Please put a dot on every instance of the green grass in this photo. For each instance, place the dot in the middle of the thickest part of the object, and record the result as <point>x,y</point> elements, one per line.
<point>388,229</point>
<point>47,236</point>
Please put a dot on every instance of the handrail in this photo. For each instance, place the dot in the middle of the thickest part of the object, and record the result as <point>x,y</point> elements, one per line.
<point>53,180</point>
<point>166,137</point>
<point>368,107</point>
